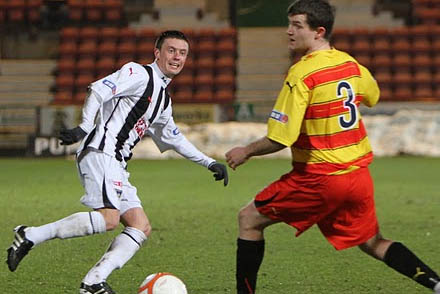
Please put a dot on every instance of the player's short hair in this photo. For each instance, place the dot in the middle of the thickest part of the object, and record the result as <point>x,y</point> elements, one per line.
<point>319,14</point>
<point>169,35</point>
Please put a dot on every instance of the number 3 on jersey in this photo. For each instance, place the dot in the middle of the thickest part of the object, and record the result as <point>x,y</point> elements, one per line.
<point>348,120</point>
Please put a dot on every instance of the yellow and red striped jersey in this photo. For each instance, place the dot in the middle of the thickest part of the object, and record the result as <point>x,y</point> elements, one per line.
<point>316,113</point>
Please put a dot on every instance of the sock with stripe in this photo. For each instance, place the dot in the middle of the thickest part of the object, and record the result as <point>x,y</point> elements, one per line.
<point>407,263</point>
<point>121,250</point>
<point>75,225</point>
<point>249,257</point>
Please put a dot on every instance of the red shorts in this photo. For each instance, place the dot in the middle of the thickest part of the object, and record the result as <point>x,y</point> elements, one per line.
<point>341,205</point>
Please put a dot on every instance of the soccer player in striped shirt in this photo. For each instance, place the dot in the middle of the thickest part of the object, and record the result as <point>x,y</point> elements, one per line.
<point>316,115</point>
<point>119,110</point>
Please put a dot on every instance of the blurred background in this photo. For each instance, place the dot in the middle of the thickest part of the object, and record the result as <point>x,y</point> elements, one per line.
<point>52,49</point>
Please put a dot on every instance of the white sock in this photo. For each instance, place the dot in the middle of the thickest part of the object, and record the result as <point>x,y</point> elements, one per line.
<point>437,288</point>
<point>76,225</point>
<point>121,250</point>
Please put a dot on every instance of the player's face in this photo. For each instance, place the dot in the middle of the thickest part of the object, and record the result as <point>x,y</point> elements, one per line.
<point>172,56</point>
<point>301,37</point>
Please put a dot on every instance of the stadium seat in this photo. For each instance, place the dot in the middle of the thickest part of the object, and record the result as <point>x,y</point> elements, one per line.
<point>224,95</point>
<point>184,81</point>
<point>224,81</point>
<point>145,49</point>
<point>75,10</point>
<point>126,49</point>
<point>67,49</point>
<point>381,61</point>
<point>229,33</point>
<point>364,59</point>
<point>206,35</point>
<point>65,82</point>
<point>402,60</point>
<point>400,39</point>
<point>89,34</point>
<point>113,11</point>
<point>63,97</point>
<point>383,77</point>
<point>94,11</point>
<point>86,65</point>
<point>66,65</point>
<point>82,81</point>
<point>205,65</point>
<point>107,49</point>
<point>203,95</point>
<point>16,9</point>
<point>204,82</point>
<point>341,39</point>
<point>225,65</point>
<point>127,35</point>
<point>226,48</point>
<point>79,97</point>
<point>87,49</point>
<point>205,48</point>
<point>184,95</point>
<point>33,8</point>
<point>105,66</point>
<point>147,35</point>
<point>381,40</point>
<point>69,34</point>
<point>403,92</point>
<point>109,34</point>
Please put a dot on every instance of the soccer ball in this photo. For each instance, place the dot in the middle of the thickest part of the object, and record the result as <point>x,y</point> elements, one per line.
<point>162,283</point>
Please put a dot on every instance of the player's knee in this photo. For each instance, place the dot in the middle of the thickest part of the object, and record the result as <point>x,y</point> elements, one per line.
<point>111,222</point>
<point>146,229</point>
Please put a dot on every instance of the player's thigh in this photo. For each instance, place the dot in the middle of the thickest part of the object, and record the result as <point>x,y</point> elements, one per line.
<point>136,218</point>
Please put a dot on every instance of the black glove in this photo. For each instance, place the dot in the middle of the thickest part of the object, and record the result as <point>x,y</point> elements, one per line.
<point>68,137</point>
<point>220,172</point>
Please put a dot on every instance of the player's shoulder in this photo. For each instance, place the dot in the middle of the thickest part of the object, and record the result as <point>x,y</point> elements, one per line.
<point>133,67</point>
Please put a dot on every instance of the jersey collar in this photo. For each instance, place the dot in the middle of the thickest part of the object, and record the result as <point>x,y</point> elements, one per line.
<point>163,77</point>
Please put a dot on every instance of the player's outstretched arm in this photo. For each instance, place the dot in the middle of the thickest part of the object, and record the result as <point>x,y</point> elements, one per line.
<point>220,172</point>
<point>239,155</point>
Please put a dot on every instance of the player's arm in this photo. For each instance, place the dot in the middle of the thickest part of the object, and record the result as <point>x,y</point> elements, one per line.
<point>369,88</point>
<point>167,136</point>
<point>239,155</point>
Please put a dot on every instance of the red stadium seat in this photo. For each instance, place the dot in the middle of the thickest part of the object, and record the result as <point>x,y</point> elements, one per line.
<point>76,10</point>
<point>105,66</point>
<point>63,97</point>
<point>86,65</point>
<point>82,81</point>
<point>69,34</point>
<point>225,81</point>
<point>226,48</point>
<point>16,9</point>
<point>147,35</point>
<point>203,95</point>
<point>89,34</point>
<point>64,82</point>
<point>66,66</point>
<point>225,65</point>
<point>205,48</point>
<point>204,82</point>
<point>107,49</point>
<point>94,10</point>
<point>67,49</point>
<point>87,49</point>
<point>109,34</point>
<point>205,65</point>
<point>126,49</point>
<point>224,95</point>
<point>127,35</point>
<point>33,8</point>
<point>113,11</point>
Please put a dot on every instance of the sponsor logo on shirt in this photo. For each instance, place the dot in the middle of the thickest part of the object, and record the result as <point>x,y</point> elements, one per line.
<point>110,84</point>
<point>140,127</point>
<point>279,116</point>
<point>176,131</point>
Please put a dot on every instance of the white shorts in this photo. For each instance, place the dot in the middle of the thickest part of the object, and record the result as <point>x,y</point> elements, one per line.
<point>105,182</point>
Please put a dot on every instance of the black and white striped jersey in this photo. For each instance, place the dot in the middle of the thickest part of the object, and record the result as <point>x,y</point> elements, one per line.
<point>127,104</point>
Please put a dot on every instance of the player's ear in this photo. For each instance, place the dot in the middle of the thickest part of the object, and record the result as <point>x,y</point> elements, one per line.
<point>320,33</point>
<point>156,53</point>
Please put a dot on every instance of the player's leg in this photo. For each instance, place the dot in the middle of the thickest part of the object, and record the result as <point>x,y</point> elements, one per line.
<point>250,247</point>
<point>403,260</point>
<point>126,244</point>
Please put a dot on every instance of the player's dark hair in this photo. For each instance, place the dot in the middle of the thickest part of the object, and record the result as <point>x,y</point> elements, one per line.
<point>169,35</point>
<point>319,14</point>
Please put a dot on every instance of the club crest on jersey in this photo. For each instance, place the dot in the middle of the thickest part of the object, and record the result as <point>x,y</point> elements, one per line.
<point>110,84</point>
<point>176,132</point>
<point>140,127</point>
<point>279,116</point>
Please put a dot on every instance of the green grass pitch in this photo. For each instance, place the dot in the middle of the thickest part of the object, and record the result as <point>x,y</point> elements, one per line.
<point>195,229</point>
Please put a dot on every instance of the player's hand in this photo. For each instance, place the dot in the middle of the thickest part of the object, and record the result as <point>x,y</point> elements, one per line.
<point>236,156</point>
<point>70,136</point>
<point>220,172</point>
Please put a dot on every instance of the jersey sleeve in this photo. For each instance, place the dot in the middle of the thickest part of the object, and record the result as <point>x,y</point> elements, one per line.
<point>130,80</point>
<point>369,87</point>
<point>166,136</point>
<point>285,120</point>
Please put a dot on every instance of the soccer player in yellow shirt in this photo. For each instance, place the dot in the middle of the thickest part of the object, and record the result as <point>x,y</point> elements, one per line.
<point>316,115</point>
